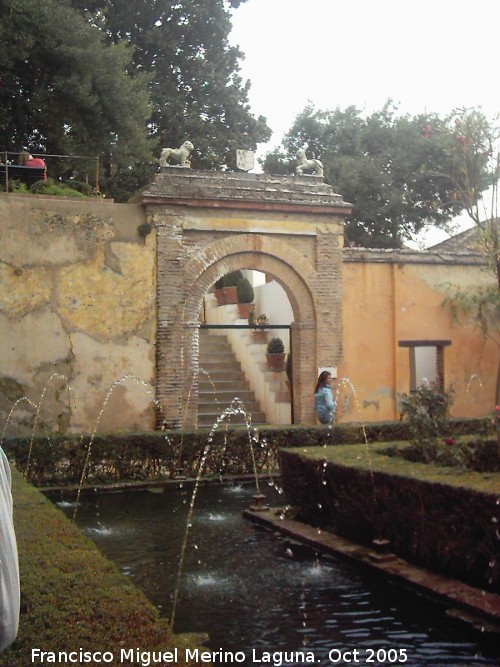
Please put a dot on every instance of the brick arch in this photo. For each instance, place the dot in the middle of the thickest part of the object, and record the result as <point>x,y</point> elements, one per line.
<point>298,279</point>
<point>249,251</point>
<point>208,224</point>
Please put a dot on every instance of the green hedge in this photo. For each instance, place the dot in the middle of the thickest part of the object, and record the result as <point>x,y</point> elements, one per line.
<point>71,596</point>
<point>440,517</point>
<point>60,459</point>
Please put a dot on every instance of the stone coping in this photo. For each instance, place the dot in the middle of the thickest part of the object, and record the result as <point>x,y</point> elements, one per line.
<point>197,187</point>
<point>476,607</point>
<point>408,256</point>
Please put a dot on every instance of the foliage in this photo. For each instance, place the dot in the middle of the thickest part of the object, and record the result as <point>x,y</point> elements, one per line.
<point>289,367</point>
<point>51,187</point>
<point>245,291</point>
<point>65,91</point>
<point>196,89</point>
<point>48,187</point>
<point>232,279</point>
<point>119,80</point>
<point>476,166</point>
<point>432,515</point>
<point>390,167</point>
<point>427,411</point>
<point>145,229</point>
<point>141,456</point>
<point>257,321</point>
<point>275,346</point>
<point>479,305</point>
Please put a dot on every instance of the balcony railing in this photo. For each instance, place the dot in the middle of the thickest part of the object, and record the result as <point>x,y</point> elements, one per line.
<point>10,170</point>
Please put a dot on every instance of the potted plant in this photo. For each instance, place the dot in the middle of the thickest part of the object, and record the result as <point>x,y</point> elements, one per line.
<point>259,323</point>
<point>219,292</point>
<point>230,282</point>
<point>245,298</point>
<point>275,355</point>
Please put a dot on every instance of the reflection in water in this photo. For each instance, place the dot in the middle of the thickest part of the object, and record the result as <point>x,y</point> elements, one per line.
<point>248,590</point>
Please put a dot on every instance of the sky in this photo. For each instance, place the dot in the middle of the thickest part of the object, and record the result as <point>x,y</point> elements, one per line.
<point>432,56</point>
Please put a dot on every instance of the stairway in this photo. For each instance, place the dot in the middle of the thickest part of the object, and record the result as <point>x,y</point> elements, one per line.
<point>222,381</point>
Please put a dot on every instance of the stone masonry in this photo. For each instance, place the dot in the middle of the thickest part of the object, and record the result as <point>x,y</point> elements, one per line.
<point>209,224</point>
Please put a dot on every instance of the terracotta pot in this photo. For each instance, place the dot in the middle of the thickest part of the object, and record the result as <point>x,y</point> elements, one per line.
<point>245,309</point>
<point>231,294</point>
<point>260,336</point>
<point>219,295</point>
<point>276,362</point>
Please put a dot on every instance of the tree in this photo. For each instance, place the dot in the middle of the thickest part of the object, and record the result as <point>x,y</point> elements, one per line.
<point>390,167</point>
<point>196,90</point>
<point>476,168</point>
<point>475,153</point>
<point>64,90</point>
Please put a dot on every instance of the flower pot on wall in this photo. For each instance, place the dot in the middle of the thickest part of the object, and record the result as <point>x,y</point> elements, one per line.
<point>276,362</point>
<point>231,294</point>
<point>259,336</point>
<point>230,281</point>
<point>275,355</point>
<point>219,295</point>
<point>245,309</point>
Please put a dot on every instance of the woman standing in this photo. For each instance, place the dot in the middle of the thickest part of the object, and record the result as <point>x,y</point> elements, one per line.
<point>323,399</point>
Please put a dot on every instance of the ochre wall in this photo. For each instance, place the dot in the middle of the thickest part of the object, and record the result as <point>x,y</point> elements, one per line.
<point>389,301</point>
<point>77,295</point>
<point>77,301</point>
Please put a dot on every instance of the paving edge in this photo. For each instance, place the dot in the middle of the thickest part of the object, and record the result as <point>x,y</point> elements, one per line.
<point>476,607</point>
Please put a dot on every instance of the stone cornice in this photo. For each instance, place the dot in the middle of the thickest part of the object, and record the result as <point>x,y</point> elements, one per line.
<point>235,190</point>
<point>395,256</point>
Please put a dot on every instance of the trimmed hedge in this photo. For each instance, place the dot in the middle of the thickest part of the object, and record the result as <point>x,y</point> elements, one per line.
<point>71,596</point>
<point>435,516</point>
<point>60,459</point>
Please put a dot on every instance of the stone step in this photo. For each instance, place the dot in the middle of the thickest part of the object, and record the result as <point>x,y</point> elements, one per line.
<point>210,418</point>
<point>220,381</point>
<point>222,362</point>
<point>249,403</point>
<point>217,375</point>
<point>226,396</point>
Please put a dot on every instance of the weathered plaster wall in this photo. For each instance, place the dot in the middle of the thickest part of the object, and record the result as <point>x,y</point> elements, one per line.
<point>77,295</point>
<point>401,298</point>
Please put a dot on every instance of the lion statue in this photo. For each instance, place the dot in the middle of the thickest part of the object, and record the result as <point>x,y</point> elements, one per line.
<point>303,163</point>
<point>179,155</point>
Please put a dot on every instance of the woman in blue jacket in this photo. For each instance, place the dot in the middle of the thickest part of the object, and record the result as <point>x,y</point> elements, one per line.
<point>323,399</point>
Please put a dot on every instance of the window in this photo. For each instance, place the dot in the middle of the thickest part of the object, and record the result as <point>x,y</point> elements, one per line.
<point>426,361</point>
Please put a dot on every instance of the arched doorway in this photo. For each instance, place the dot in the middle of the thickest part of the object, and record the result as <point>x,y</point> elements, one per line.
<point>292,231</point>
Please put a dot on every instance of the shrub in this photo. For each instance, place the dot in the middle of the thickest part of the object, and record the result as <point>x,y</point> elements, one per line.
<point>232,279</point>
<point>275,346</point>
<point>86,189</point>
<point>427,411</point>
<point>51,187</point>
<point>245,291</point>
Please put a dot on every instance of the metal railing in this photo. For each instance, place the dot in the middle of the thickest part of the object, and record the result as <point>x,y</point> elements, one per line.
<point>10,158</point>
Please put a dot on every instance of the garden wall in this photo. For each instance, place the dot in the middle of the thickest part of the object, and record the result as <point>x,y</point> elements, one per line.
<point>77,301</point>
<point>448,528</point>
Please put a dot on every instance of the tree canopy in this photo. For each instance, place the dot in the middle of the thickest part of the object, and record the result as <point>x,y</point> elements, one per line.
<point>123,78</point>
<point>394,169</point>
<point>64,91</point>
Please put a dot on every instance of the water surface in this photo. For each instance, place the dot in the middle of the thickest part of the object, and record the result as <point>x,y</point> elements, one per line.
<point>251,590</point>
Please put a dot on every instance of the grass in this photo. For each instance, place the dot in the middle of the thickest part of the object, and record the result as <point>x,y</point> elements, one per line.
<point>372,458</point>
<point>71,596</point>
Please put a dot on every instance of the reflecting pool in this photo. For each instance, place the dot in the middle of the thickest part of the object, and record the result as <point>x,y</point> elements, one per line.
<point>250,589</point>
